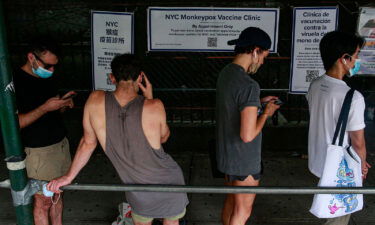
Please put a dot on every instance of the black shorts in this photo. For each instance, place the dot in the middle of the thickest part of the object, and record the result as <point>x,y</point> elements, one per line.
<point>256,176</point>
<point>242,178</point>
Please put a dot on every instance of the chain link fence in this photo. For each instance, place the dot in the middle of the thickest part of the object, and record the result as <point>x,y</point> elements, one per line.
<point>184,81</point>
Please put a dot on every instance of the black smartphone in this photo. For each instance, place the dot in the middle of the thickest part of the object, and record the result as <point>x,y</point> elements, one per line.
<point>69,96</point>
<point>279,102</point>
<point>143,82</point>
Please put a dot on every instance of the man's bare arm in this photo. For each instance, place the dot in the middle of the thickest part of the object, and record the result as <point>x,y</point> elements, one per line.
<point>52,104</point>
<point>359,144</point>
<point>251,124</point>
<point>164,132</point>
<point>85,149</point>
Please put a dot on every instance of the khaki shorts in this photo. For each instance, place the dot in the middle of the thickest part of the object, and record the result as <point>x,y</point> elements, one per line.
<point>143,219</point>
<point>47,163</point>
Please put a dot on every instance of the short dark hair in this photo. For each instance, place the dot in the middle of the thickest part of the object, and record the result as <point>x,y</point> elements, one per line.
<point>247,49</point>
<point>126,67</point>
<point>40,44</point>
<point>337,43</point>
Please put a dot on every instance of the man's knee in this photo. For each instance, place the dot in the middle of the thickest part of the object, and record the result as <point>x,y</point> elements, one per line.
<point>243,208</point>
<point>170,222</point>
<point>42,202</point>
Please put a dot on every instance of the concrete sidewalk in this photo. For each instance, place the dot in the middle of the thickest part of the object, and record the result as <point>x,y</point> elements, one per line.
<point>281,169</point>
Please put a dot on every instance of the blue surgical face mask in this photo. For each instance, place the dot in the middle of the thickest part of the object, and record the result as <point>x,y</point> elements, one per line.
<point>41,72</point>
<point>357,64</point>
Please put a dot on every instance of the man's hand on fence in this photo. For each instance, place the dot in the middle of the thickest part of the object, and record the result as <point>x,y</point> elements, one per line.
<point>54,185</point>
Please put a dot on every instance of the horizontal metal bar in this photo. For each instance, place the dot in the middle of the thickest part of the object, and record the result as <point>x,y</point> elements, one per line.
<point>220,189</point>
<point>215,189</point>
<point>208,89</point>
<point>197,89</point>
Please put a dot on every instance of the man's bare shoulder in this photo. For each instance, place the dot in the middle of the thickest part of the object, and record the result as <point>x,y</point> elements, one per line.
<point>154,105</point>
<point>96,98</point>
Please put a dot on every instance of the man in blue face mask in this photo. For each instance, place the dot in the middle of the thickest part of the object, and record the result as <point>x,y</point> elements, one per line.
<point>339,52</point>
<point>42,130</point>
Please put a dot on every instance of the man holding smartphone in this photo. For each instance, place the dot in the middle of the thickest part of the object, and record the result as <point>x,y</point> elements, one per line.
<point>239,126</point>
<point>42,129</point>
<point>131,129</point>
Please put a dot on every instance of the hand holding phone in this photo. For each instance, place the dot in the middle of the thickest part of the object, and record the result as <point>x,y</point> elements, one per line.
<point>278,102</point>
<point>69,96</point>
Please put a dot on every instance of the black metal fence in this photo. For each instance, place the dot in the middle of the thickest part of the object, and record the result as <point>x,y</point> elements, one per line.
<point>184,81</point>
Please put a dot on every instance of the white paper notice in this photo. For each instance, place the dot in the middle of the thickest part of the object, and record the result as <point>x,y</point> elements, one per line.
<point>366,28</point>
<point>206,29</point>
<point>309,26</point>
<point>111,35</point>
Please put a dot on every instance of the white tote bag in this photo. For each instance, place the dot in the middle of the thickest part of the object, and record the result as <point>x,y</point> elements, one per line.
<point>342,168</point>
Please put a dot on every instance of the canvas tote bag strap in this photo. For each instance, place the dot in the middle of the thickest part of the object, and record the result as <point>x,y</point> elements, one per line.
<point>343,118</point>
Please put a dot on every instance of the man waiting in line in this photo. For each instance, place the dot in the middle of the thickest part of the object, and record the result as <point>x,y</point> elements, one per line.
<point>42,129</point>
<point>239,125</point>
<point>339,52</point>
<point>131,128</point>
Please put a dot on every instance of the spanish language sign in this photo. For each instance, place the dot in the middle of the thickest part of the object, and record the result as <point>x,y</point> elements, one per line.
<point>366,28</point>
<point>206,29</point>
<point>111,35</point>
<point>309,26</point>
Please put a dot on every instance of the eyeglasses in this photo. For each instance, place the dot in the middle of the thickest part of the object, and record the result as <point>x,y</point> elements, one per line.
<point>46,65</point>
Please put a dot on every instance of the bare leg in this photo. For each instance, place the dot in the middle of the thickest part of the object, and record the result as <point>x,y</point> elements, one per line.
<point>42,205</point>
<point>56,210</point>
<point>342,220</point>
<point>170,222</point>
<point>140,223</point>
<point>227,211</point>
<point>243,203</point>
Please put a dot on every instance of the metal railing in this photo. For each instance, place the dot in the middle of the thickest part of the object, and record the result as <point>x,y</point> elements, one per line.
<point>213,189</point>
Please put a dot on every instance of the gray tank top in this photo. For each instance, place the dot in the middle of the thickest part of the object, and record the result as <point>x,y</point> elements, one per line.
<point>137,162</point>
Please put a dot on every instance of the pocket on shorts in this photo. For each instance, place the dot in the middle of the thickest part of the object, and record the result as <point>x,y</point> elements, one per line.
<point>32,164</point>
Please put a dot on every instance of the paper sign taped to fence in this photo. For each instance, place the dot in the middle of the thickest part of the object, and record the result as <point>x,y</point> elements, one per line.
<point>206,29</point>
<point>366,28</point>
<point>111,35</point>
<point>310,24</point>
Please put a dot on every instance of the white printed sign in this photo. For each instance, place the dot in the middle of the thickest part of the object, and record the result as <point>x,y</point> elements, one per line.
<point>206,29</point>
<point>111,35</point>
<point>366,28</point>
<point>310,24</point>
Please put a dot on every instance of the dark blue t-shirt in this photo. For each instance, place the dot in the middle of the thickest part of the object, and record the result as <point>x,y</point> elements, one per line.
<point>31,92</point>
<point>235,90</point>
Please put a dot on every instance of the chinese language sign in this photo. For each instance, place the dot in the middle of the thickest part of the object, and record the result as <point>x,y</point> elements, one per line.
<point>111,35</point>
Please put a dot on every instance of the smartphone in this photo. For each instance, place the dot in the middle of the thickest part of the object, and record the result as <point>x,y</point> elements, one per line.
<point>143,82</point>
<point>69,96</point>
<point>279,102</point>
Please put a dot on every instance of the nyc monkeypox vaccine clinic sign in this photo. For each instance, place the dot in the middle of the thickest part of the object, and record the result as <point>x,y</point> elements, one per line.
<point>310,24</point>
<point>206,29</point>
<point>111,35</point>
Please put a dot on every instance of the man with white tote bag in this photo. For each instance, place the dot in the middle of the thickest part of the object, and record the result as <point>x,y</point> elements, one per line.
<point>339,52</point>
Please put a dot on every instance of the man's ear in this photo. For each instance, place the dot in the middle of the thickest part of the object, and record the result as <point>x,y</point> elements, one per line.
<point>30,57</point>
<point>112,78</point>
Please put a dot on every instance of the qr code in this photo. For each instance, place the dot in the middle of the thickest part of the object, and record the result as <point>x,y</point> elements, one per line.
<point>311,75</point>
<point>212,42</point>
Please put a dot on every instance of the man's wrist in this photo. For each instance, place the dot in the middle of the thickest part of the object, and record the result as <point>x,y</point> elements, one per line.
<point>42,109</point>
<point>265,114</point>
